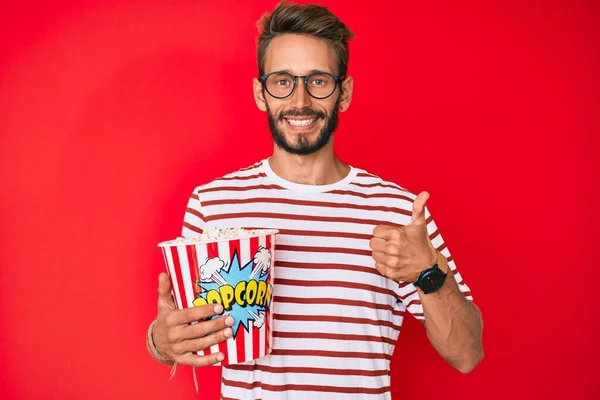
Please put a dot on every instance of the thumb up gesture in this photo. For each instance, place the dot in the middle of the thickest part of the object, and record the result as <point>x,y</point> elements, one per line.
<point>403,253</point>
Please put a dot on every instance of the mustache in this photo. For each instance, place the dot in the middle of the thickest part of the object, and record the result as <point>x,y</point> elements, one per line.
<point>308,112</point>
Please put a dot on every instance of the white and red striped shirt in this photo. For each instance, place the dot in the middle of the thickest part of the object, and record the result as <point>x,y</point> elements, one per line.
<point>336,318</point>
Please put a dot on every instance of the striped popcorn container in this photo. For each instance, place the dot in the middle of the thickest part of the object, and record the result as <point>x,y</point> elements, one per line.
<point>236,273</point>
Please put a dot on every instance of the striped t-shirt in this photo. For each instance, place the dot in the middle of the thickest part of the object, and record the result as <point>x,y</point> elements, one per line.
<point>336,319</point>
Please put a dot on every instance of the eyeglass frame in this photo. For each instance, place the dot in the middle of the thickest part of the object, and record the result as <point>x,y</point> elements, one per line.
<point>337,79</point>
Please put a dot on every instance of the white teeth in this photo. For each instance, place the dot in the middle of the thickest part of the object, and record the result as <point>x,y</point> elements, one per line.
<point>301,122</point>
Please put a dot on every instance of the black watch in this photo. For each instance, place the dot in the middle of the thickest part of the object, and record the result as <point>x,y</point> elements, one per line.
<point>431,280</point>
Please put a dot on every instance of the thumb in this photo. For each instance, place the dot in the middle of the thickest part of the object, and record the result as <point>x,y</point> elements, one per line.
<point>165,300</point>
<point>418,213</point>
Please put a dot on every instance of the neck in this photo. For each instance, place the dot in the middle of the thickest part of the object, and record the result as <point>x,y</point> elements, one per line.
<point>320,168</point>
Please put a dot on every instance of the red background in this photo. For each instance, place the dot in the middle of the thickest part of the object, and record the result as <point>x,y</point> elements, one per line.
<point>112,112</point>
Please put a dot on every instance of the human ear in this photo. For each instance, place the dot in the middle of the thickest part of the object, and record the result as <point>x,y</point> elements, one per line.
<point>346,96</point>
<point>259,95</point>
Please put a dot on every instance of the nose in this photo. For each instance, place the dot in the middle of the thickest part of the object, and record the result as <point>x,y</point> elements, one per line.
<point>300,98</point>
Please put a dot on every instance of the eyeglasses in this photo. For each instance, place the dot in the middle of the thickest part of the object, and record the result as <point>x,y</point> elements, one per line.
<point>281,84</point>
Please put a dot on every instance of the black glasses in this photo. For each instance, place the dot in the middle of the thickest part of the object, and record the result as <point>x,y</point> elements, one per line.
<point>281,84</point>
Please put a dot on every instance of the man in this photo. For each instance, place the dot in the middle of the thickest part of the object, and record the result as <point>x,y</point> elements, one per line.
<point>353,254</point>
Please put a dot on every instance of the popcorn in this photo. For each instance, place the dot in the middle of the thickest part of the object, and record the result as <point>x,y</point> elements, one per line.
<point>217,234</point>
<point>238,272</point>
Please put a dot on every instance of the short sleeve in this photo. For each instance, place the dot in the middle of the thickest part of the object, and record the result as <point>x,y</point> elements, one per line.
<point>407,292</point>
<point>193,220</point>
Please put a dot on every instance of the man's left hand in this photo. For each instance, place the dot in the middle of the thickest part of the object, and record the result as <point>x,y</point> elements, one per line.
<point>403,253</point>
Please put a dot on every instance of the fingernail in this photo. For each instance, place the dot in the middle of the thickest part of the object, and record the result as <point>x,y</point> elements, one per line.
<point>220,357</point>
<point>228,332</point>
<point>218,309</point>
<point>229,321</point>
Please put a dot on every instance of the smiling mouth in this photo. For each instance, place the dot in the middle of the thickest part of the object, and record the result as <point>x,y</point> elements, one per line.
<point>300,123</point>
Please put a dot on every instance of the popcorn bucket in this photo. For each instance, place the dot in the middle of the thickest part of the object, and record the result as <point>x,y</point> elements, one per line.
<point>236,272</point>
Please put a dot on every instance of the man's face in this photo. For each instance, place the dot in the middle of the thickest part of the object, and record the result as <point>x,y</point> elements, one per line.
<point>300,124</point>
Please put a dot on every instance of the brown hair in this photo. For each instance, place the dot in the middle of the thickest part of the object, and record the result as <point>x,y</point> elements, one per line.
<point>307,19</point>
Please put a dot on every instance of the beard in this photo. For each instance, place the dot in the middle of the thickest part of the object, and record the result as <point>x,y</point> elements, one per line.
<point>302,145</point>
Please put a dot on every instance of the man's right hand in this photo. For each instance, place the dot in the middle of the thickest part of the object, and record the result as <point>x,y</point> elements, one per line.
<point>174,335</point>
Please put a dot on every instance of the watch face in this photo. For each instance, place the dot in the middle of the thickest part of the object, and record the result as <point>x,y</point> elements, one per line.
<point>432,281</point>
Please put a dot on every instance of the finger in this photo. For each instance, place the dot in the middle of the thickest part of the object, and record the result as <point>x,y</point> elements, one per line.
<point>381,267</point>
<point>200,361</point>
<point>392,262</point>
<point>188,346</point>
<point>203,328</point>
<point>418,214</point>
<point>393,248</point>
<point>379,257</point>
<point>377,244</point>
<point>165,299</point>
<point>194,314</point>
<point>383,232</point>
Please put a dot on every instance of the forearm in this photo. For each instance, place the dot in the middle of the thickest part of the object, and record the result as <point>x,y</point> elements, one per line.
<point>453,324</point>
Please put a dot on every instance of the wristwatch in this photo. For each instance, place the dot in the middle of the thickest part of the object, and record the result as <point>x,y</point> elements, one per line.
<point>431,280</point>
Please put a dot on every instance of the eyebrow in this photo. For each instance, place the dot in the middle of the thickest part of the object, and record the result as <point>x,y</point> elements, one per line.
<point>312,71</point>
